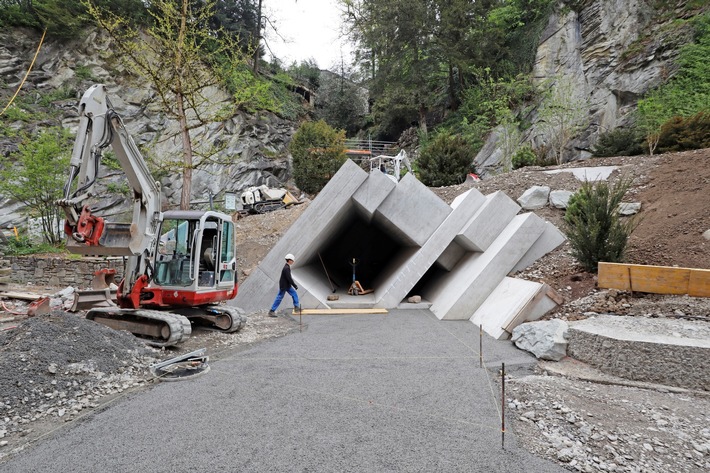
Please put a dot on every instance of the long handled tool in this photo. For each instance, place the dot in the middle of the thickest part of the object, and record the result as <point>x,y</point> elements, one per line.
<point>332,284</point>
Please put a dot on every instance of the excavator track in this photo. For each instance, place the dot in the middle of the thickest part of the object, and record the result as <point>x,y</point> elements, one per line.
<point>221,318</point>
<point>157,328</point>
<point>268,206</point>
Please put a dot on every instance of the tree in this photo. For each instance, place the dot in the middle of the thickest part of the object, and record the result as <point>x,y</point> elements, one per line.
<point>652,114</point>
<point>318,152</point>
<point>34,176</point>
<point>593,224</point>
<point>342,104</point>
<point>445,160</point>
<point>180,57</point>
<point>562,115</point>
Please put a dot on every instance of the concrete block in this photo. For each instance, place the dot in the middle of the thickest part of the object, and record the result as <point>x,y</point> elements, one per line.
<point>319,222</point>
<point>665,351</point>
<point>258,292</point>
<point>451,256</point>
<point>462,291</point>
<point>396,288</point>
<point>511,303</point>
<point>550,240</point>
<point>487,223</point>
<point>598,173</point>
<point>411,212</point>
<point>372,193</point>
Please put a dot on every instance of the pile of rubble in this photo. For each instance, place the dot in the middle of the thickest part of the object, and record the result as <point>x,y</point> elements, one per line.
<point>52,367</point>
<point>589,427</point>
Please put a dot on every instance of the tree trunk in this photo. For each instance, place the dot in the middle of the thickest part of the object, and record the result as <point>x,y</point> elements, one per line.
<point>453,96</point>
<point>257,36</point>
<point>186,156</point>
<point>422,119</point>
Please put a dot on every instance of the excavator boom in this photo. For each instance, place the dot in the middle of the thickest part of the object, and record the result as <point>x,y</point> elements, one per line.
<point>180,265</point>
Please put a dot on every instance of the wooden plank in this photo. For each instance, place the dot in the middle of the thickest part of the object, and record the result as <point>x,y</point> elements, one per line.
<point>341,311</point>
<point>641,278</point>
<point>699,284</point>
<point>20,295</point>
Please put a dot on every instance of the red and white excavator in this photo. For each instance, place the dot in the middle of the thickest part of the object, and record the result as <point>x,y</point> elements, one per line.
<point>180,264</point>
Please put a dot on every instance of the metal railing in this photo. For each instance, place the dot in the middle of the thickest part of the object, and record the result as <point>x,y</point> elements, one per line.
<point>370,147</point>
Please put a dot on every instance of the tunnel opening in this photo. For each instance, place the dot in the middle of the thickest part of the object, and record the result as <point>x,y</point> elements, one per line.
<point>361,249</point>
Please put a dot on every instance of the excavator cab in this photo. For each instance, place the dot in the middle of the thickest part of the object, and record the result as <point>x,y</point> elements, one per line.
<point>196,252</point>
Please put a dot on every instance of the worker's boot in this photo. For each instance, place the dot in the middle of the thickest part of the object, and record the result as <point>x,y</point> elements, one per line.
<point>272,313</point>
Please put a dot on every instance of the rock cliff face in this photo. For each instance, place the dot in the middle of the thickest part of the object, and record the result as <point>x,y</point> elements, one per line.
<point>252,150</point>
<point>611,52</point>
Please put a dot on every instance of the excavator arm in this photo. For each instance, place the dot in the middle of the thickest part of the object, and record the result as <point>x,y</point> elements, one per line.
<point>101,127</point>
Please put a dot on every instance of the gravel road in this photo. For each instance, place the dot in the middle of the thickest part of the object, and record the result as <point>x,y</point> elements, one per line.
<point>396,392</point>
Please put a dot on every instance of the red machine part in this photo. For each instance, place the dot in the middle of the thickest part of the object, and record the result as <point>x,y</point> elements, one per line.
<point>88,228</point>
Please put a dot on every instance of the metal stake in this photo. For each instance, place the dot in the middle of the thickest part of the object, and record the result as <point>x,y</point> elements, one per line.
<point>480,346</point>
<point>502,408</point>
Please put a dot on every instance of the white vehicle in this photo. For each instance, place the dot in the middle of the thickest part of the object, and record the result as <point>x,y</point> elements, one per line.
<point>262,199</point>
<point>391,166</point>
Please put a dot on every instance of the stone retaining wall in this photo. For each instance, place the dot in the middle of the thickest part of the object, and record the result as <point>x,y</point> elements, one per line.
<point>673,364</point>
<point>60,272</point>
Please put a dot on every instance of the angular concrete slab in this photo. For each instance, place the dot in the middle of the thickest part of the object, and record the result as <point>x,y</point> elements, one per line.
<point>485,226</point>
<point>319,222</point>
<point>463,290</point>
<point>598,173</point>
<point>430,252</point>
<point>549,241</point>
<point>412,212</point>
<point>399,240</point>
<point>372,193</point>
<point>511,303</point>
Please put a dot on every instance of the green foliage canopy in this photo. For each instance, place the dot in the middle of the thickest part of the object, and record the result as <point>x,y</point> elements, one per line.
<point>445,160</point>
<point>318,152</point>
<point>687,93</point>
<point>35,176</point>
<point>593,225</point>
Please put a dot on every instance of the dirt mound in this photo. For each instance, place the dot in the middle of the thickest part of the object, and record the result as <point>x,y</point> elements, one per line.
<point>51,351</point>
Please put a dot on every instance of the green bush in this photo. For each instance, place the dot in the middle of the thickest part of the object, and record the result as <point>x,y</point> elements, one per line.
<point>619,142</point>
<point>318,152</point>
<point>445,160</point>
<point>595,229</point>
<point>679,134</point>
<point>524,156</point>
<point>23,246</point>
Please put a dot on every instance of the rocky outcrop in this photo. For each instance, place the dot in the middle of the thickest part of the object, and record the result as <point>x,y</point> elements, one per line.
<point>245,150</point>
<point>611,53</point>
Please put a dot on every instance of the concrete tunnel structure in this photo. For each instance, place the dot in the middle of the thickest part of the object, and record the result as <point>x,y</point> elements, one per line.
<point>407,241</point>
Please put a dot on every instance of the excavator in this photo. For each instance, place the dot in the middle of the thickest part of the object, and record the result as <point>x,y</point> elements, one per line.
<point>179,264</point>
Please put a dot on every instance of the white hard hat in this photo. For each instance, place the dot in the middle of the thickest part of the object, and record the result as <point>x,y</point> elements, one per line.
<point>290,256</point>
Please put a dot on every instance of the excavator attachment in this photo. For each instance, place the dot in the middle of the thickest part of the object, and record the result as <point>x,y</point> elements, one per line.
<point>114,240</point>
<point>100,295</point>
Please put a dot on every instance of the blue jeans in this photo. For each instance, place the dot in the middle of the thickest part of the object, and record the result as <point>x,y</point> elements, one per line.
<point>280,296</point>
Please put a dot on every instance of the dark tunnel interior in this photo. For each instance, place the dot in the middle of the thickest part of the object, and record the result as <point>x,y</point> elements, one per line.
<point>367,245</point>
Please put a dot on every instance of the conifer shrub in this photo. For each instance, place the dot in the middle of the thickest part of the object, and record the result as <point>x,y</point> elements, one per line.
<point>619,142</point>
<point>318,151</point>
<point>524,156</point>
<point>445,160</point>
<point>593,225</point>
<point>680,134</point>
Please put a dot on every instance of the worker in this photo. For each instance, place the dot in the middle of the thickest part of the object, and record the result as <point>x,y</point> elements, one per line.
<point>286,284</point>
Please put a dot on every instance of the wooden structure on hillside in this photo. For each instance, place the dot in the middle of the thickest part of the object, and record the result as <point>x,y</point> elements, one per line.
<point>655,279</point>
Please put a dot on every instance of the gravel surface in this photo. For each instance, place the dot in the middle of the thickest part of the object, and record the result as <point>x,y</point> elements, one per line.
<point>67,367</point>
